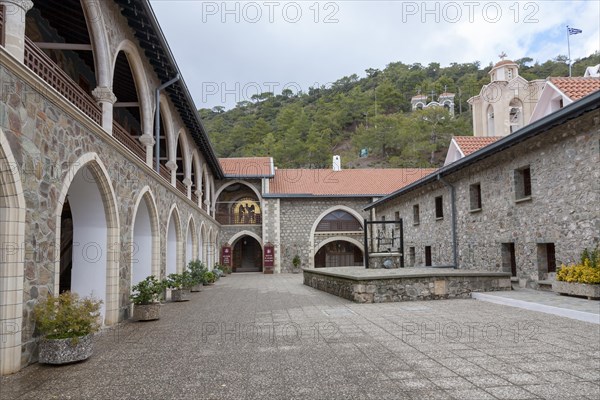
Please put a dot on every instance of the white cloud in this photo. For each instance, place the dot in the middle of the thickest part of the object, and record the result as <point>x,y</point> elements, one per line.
<point>367,34</point>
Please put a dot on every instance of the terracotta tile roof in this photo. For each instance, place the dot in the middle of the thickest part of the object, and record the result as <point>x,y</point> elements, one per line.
<point>247,167</point>
<point>504,62</point>
<point>350,182</point>
<point>470,144</point>
<point>576,87</point>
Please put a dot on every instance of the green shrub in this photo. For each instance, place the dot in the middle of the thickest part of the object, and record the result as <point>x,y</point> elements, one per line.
<point>148,291</point>
<point>67,316</point>
<point>180,281</point>
<point>209,278</point>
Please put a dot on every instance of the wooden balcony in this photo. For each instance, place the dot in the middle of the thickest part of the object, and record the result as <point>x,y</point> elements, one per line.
<point>45,68</point>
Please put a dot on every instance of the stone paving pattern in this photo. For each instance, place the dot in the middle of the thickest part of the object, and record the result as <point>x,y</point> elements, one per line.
<point>284,340</point>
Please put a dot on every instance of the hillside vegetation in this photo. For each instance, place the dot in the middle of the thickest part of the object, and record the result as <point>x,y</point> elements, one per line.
<point>372,112</point>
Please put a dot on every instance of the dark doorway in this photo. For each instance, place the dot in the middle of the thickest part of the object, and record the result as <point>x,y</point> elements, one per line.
<point>338,254</point>
<point>247,255</point>
<point>428,256</point>
<point>509,259</point>
<point>66,247</point>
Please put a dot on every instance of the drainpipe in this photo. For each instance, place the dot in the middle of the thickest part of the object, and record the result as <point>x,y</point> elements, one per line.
<point>453,202</point>
<point>157,121</point>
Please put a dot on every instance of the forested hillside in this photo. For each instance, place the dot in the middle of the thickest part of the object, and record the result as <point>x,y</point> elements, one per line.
<point>372,112</point>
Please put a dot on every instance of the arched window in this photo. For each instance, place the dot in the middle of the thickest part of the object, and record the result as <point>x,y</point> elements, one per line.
<point>490,121</point>
<point>339,221</point>
<point>515,115</point>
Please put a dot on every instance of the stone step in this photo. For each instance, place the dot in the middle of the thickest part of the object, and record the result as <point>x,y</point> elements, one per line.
<point>545,285</point>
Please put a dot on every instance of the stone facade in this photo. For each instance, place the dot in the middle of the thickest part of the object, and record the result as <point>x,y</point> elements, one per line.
<point>562,209</point>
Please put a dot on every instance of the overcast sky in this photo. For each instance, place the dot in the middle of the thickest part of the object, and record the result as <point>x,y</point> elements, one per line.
<point>229,51</point>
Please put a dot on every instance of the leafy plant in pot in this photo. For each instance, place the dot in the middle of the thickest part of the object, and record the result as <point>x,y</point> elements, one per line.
<point>67,324</point>
<point>146,296</point>
<point>209,278</point>
<point>197,270</point>
<point>296,263</point>
<point>180,285</point>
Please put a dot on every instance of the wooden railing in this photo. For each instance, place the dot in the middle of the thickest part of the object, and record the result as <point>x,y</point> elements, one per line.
<point>182,188</point>
<point>194,198</point>
<point>165,173</point>
<point>129,141</point>
<point>233,218</point>
<point>46,69</point>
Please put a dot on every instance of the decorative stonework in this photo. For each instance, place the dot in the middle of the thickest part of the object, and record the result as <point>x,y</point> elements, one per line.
<point>104,95</point>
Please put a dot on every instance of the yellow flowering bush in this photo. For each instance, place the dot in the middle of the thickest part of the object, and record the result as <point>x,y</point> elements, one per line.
<point>580,273</point>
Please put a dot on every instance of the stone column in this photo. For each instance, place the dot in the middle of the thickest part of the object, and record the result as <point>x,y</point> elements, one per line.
<point>172,166</point>
<point>14,26</point>
<point>148,142</point>
<point>188,184</point>
<point>105,98</point>
<point>198,194</point>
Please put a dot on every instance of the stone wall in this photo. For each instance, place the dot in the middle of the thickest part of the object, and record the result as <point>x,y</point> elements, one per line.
<point>47,139</point>
<point>406,288</point>
<point>297,218</point>
<point>563,208</point>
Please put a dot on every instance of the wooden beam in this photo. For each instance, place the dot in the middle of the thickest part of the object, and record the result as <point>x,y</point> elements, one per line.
<point>126,104</point>
<point>63,46</point>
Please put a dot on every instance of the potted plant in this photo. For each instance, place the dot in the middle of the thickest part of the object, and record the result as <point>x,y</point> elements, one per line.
<point>67,324</point>
<point>180,285</point>
<point>296,263</point>
<point>209,278</point>
<point>581,279</point>
<point>146,296</point>
<point>196,269</point>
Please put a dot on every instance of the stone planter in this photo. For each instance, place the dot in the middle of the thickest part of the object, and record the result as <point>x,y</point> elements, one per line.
<point>181,295</point>
<point>196,288</point>
<point>63,351</point>
<point>146,312</point>
<point>592,292</point>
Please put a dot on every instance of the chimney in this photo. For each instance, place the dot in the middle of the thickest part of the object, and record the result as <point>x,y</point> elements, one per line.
<point>337,163</point>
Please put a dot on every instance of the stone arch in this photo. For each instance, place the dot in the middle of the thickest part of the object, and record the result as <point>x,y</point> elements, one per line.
<point>240,234</point>
<point>166,117</point>
<point>145,237</point>
<point>12,237</point>
<point>191,248</point>
<point>195,171</point>
<point>182,145</point>
<point>215,248</point>
<point>202,242</point>
<point>515,115</point>
<point>141,81</point>
<point>99,41</point>
<point>209,248</point>
<point>342,239</point>
<point>313,251</point>
<point>174,242</point>
<point>240,181</point>
<point>205,187</point>
<point>111,244</point>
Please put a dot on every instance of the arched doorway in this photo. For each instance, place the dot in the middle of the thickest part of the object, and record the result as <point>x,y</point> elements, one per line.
<point>145,245</point>
<point>12,228</point>
<point>338,253</point>
<point>247,255</point>
<point>173,243</point>
<point>238,203</point>
<point>88,262</point>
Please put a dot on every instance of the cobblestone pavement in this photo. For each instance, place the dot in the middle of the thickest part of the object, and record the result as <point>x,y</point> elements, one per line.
<point>257,336</point>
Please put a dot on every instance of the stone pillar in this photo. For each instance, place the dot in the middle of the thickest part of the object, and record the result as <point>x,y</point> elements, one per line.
<point>14,26</point>
<point>198,194</point>
<point>105,98</point>
<point>172,166</point>
<point>148,142</point>
<point>188,184</point>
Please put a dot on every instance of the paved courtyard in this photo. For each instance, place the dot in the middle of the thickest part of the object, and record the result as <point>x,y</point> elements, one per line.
<point>254,336</point>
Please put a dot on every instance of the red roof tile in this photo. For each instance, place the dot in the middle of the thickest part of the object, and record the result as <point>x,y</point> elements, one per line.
<point>350,182</point>
<point>576,87</point>
<point>247,166</point>
<point>470,144</point>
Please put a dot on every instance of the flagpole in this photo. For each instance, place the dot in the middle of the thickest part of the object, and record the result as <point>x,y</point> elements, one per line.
<point>569,49</point>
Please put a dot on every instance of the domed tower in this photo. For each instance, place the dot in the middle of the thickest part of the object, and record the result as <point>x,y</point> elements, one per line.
<point>505,104</point>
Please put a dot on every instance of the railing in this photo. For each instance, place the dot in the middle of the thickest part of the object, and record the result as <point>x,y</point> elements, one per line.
<point>226,218</point>
<point>338,226</point>
<point>165,173</point>
<point>194,198</point>
<point>46,69</point>
<point>129,141</point>
<point>182,188</point>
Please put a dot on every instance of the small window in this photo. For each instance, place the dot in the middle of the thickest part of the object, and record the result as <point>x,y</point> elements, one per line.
<point>397,215</point>
<point>428,256</point>
<point>509,259</point>
<point>383,218</point>
<point>523,183</point>
<point>439,207</point>
<point>411,256</point>
<point>475,196</point>
<point>416,216</point>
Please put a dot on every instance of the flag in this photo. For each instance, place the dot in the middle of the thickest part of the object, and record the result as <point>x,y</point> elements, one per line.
<point>574,31</point>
